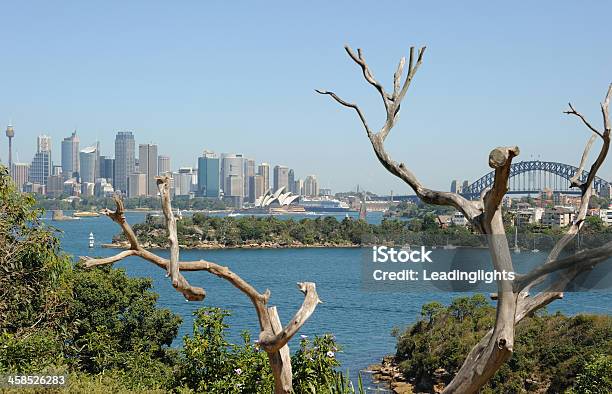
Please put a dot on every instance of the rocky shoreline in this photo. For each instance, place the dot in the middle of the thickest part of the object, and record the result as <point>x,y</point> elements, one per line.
<point>388,372</point>
<point>206,245</point>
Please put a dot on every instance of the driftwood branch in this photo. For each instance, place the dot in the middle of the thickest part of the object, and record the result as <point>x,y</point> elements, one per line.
<point>272,338</point>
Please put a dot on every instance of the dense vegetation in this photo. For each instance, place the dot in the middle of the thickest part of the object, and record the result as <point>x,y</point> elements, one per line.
<point>236,231</point>
<point>104,330</point>
<point>202,230</point>
<point>552,353</point>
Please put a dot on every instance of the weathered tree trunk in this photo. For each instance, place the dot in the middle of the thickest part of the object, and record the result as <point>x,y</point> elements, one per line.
<point>280,361</point>
<point>485,216</point>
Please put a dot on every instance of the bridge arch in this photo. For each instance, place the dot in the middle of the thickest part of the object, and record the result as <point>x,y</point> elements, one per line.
<point>561,170</point>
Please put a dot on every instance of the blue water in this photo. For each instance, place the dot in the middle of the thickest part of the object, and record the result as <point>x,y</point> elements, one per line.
<point>361,321</point>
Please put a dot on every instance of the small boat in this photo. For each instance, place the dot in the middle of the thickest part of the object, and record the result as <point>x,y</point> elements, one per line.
<point>535,250</point>
<point>91,240</point>
<point>448,245</point>
<point>85,214</point>
<point>233,214</point>
<point>516,247</point>
<point>406,248</point>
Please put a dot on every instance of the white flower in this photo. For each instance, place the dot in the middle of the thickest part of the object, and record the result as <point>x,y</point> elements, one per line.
<point>238,371</point>
<point>330,354</point>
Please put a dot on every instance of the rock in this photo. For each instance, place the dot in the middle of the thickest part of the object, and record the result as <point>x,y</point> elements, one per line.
<point>401,388</point>
<point>438,388</point>
<point>374,367</point>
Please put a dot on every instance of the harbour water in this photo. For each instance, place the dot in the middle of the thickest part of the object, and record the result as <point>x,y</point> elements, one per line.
<point>361,321</point>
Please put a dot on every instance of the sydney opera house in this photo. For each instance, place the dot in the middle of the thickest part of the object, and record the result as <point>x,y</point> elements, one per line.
<point>279,201</point>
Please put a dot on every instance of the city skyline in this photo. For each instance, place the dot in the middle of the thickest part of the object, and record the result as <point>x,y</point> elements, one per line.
<point>503,78</point>
<point>85,172</point>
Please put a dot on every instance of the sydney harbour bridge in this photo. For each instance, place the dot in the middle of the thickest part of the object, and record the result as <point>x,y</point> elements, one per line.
<point>526,177</point>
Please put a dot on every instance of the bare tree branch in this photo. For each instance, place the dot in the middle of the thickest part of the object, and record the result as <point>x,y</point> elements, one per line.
<point>273,338</point>
<point>586,188</point>
<point>572,111</point>
<point>350,105</point>
<point>471,209</point>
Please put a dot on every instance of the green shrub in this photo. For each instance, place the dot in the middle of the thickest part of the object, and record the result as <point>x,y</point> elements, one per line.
<point>549,352</point>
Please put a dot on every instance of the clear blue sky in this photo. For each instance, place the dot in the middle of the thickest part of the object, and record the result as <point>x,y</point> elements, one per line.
<point>239,77</point>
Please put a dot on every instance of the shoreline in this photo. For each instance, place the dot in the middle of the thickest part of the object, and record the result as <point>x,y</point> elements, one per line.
<point>271,245</point>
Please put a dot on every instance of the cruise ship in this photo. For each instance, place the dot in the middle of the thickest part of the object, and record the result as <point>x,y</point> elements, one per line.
<point>324,205</point>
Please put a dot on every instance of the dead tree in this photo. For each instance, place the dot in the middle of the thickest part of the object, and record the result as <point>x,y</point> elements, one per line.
<point>273,338</point>
<point>485,215</point>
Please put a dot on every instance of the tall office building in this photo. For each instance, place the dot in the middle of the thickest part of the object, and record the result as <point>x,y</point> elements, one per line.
<point>232,175</point>
<point>249,172</point>
<point>125,156</point>
<point>41,163</point>
<point>21,174</point>
<point>137,185</point>
<point>311,186</point>
<point>299,187</point>
<point>70,156</point>
<point>209,183</point>
<point>147,164</point>
<point>256,187</point>
<point>454,186</point>
<point>264,171</point>
<point>43,143</point>
<point>55,185</point>
<point>107,169</point>
<point>163,165</point>
<point>88,158</point>
<point>291,181</point>
<point>185,181</point>
<point>281,177</point>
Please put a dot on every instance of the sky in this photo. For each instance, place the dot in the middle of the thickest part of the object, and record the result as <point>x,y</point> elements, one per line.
<point>240,76</point>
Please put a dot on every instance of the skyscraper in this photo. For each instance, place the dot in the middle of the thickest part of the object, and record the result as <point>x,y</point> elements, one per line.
<point>299,187</point>
<point>70,156</point>
<point>208,175</point>
<point>281,177</point>
<point>41,163</point>
<point>291,181</point>
<point>256,187</point>
<point>264,170</point>
<point>311,186</point>
<point>107,169</point>
<point>137,185</point>
<point>43,143</point>
<point>125,152</point>
<point>147,164</point>
<point>21,174</point>
<point>184,181</point>
<point>88,158</point>
<point>249,172</point>
<point>163,165</point>
<point>232,175</point>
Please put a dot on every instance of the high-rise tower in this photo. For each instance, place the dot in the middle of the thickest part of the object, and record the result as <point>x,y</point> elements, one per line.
<point>125,155</point>
<point>70,156</point>
<point>10,133</point>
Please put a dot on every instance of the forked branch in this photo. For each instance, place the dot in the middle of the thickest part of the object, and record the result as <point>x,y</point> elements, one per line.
<point>272,338</point>
<point>392,102</point>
